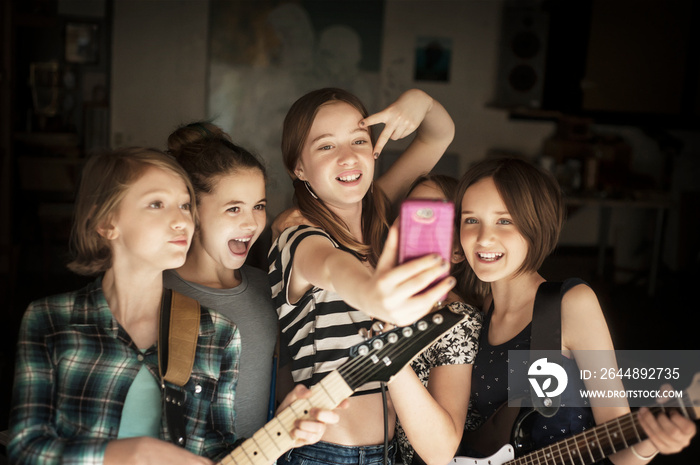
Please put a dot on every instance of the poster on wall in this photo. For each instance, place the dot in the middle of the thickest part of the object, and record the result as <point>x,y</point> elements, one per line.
<point>265,55</point>
<point>433,56</point>
<point>81,43</point>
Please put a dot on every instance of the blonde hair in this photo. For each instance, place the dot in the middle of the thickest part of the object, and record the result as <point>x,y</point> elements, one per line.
<point>297,125</point>
<point>534,200</point>
<point>105,180</point>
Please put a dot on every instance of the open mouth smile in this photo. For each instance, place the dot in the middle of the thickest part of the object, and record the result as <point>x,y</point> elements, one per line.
<point>349,178</point>
<point>489,256</point>
<point>239,246</point>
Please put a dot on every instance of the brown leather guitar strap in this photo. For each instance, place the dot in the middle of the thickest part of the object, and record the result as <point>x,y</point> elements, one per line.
<point>177,344</point>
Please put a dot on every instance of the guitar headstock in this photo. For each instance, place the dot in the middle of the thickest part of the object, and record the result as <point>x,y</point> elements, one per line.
<point>381,357</point>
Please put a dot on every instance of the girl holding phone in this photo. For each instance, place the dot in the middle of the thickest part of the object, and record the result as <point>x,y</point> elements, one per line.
<point>330,280</point>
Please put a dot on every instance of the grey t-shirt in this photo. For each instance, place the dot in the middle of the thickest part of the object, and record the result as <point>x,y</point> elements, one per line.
<point>249,305</point>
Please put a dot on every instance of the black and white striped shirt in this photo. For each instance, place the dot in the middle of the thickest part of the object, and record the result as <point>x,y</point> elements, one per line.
<point>320,328</point>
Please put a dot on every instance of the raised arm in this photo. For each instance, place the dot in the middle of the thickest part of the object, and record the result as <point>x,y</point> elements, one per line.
<point>389,292</point>
<point>413,111</point>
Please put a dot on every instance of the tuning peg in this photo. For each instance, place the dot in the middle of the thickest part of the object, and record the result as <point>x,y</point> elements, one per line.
<point>364,332</point>
<point>378,327</point>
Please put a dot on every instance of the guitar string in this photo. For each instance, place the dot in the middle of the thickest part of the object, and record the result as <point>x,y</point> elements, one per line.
<point>630,420</point>
<point>353,372</point>
<point>298,409</point>
<point>263,437</point>
<point>578,442</point>
<point>356,372</point>
<point>628,426</point>
<point>353,377</point>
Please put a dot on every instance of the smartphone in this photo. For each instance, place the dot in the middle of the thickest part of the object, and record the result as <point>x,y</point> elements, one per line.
<point>426,227</point>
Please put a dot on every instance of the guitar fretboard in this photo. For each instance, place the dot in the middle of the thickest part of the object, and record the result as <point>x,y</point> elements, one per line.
<point>593,445</point>
<point>275,438</point>
<point>376,360</point>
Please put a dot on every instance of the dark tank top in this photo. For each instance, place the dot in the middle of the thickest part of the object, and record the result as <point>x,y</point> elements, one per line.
<point>490,385</point>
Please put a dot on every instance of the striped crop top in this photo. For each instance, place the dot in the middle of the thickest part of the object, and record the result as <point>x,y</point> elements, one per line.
<point>318,330</point>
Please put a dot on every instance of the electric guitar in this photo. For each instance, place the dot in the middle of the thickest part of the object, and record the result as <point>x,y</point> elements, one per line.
<point>584,448</point>
<point>377,359</point>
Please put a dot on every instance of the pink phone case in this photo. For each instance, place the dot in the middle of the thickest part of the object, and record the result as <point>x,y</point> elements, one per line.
<point>426,227</point>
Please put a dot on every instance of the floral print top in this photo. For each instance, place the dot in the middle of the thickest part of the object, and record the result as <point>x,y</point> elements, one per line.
<point>458,346</point>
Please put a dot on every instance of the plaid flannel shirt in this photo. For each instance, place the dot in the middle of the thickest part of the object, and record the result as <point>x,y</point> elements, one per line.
<point>75,365</point>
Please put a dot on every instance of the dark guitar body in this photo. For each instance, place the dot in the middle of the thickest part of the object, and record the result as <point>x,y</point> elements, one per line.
<point>506,435</point>
<point>508,425</point>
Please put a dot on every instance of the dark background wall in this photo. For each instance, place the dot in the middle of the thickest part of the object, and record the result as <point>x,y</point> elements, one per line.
<point>512,77</point>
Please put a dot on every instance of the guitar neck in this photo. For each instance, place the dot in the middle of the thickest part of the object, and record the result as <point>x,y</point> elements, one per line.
<point>592,445</point>
<point>273,439</point>
<point>375,360</point>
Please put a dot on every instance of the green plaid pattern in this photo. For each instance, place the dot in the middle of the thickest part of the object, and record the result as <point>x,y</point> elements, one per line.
<point>75,365</point>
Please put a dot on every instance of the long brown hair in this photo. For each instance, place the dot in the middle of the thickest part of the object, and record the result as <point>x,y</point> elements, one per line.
<point>297,125</point>
<point>534,200</point>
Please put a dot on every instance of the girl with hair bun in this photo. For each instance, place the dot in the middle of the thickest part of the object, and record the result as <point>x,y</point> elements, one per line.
<point>229,187</point>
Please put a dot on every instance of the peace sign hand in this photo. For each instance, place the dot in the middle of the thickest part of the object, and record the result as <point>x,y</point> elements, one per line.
<point>401,118</point>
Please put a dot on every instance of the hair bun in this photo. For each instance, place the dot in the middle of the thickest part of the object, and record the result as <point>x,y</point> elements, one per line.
<point>194,132</point>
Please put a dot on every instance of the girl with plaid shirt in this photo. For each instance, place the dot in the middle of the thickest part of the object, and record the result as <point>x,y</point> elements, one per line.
<point>87,385</point>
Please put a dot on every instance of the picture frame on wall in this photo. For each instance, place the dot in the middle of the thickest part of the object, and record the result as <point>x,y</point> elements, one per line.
<point>433,59</point>
<point>82,43</point>
<point>264,55</point>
